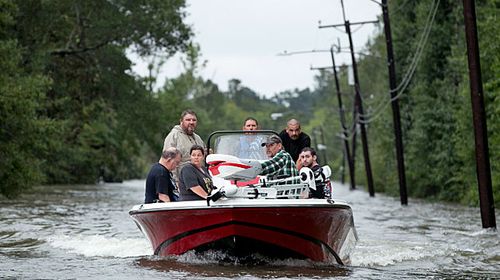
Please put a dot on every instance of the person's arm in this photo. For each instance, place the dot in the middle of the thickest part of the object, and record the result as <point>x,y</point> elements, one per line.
<point>307,141</point>
<point>273,165</point>
<point>163,197</point>
<point>188,177</point>
<point>170,141</point>
<point>198,190</point>
<point>162,189</point>
<point>299,163</point>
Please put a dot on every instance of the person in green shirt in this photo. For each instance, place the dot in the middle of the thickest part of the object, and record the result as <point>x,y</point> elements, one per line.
<point>280,164</point>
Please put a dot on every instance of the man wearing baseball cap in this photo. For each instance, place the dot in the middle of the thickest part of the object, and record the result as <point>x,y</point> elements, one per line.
<point>280,164</point>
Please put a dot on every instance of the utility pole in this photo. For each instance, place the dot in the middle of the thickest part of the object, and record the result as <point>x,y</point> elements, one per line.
<point>396,118</point>
<point>358,103</point>
<point>350,161</point>
<point>345,137</point>
<point>359,110</point>
<point>483,170</point>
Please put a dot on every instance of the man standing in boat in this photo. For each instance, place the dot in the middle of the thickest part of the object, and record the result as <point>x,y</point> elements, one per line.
<point>294,140</point>
<point>160,185</point>
<point>281,164</point>
<point>183,137</point>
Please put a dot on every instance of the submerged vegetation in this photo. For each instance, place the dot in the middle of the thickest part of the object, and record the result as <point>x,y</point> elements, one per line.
<point>72,111</point>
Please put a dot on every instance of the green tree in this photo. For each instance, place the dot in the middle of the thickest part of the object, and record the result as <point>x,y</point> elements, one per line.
<point>101,116</point>
<point>21,130</point>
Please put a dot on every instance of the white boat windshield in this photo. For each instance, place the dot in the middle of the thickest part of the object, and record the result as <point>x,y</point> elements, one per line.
<point>245,146</point>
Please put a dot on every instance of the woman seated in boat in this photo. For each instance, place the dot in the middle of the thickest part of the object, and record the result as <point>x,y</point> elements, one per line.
<point>195,181</point>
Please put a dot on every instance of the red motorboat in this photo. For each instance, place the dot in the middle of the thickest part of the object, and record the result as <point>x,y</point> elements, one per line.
<point>266,217</point>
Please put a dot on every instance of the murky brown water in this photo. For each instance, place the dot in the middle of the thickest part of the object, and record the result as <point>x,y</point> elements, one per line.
<point>74,232</point>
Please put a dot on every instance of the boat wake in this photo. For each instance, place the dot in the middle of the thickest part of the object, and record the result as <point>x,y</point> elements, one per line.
<point>371,256</point>
<point>96,245</point>
<point>222,257</point>
<point>102,246</point>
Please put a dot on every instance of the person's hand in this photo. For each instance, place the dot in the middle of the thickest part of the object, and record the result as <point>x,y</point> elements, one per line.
<point>299,164</point>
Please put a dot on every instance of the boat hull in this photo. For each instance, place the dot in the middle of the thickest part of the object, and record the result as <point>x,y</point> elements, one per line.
<point>319,230</point>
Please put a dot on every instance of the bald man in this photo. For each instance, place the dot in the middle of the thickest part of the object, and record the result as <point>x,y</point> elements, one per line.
<point>294,140</point>
<point>160,185</point>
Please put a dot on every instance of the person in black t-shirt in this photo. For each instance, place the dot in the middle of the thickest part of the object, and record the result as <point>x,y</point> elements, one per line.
<point>308,158</point>
<point>160,184</point>
<point>294,140</point>
<point>195,181</point>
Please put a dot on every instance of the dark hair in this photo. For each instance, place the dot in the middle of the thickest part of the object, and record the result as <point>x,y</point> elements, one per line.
<point>251,119</point>
<point>188,112</point>
<point>309,149</point>
<point>197,148</point>
<point>170,152</point>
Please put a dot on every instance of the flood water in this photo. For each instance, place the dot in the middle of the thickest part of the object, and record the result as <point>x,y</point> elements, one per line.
<point>75,232</point>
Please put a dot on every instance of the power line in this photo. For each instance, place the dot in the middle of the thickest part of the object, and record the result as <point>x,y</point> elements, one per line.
<point>367,118</point>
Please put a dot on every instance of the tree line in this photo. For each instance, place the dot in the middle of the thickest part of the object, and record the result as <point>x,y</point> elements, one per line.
<point>72,111</point>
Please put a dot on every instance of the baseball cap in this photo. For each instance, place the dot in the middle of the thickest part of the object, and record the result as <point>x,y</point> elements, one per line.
<point>271,139</point>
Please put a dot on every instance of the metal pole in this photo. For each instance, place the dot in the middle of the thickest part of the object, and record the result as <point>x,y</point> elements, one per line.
<point>359,109</point>
<point>395,106</point>
<point>483,170</point>
<point>347,152</point>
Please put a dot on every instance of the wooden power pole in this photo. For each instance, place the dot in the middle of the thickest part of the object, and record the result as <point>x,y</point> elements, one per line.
<point>345,137</point>
<point>396,118</point>
<point>479,118</point>
<point>358,104</point>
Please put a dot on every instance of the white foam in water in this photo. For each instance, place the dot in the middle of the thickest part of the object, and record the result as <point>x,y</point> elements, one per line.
<point>388,254</point>
<point>96,245</point>
<point>205,258</point>
<point>217,256</point>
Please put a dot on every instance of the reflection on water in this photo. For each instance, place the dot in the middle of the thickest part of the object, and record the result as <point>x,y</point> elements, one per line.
<point>85,232</point>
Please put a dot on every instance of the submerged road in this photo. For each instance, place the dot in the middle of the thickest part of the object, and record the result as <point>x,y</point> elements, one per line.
<point>83,231</point>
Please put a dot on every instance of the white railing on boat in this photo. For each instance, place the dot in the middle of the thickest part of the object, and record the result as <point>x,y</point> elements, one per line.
<point>270,189</point>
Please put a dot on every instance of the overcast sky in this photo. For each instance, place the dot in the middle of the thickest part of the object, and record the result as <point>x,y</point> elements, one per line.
<point>242,39</point>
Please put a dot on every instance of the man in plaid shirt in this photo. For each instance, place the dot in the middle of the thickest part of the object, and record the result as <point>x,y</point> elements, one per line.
<point>281,164</point>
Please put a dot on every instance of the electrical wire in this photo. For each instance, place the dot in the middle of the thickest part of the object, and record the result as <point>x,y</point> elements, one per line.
<point>367,118</point>
<point>349,133</point>
<point>401,7</point>
<point>357,28</point>
<point>420,46</point>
